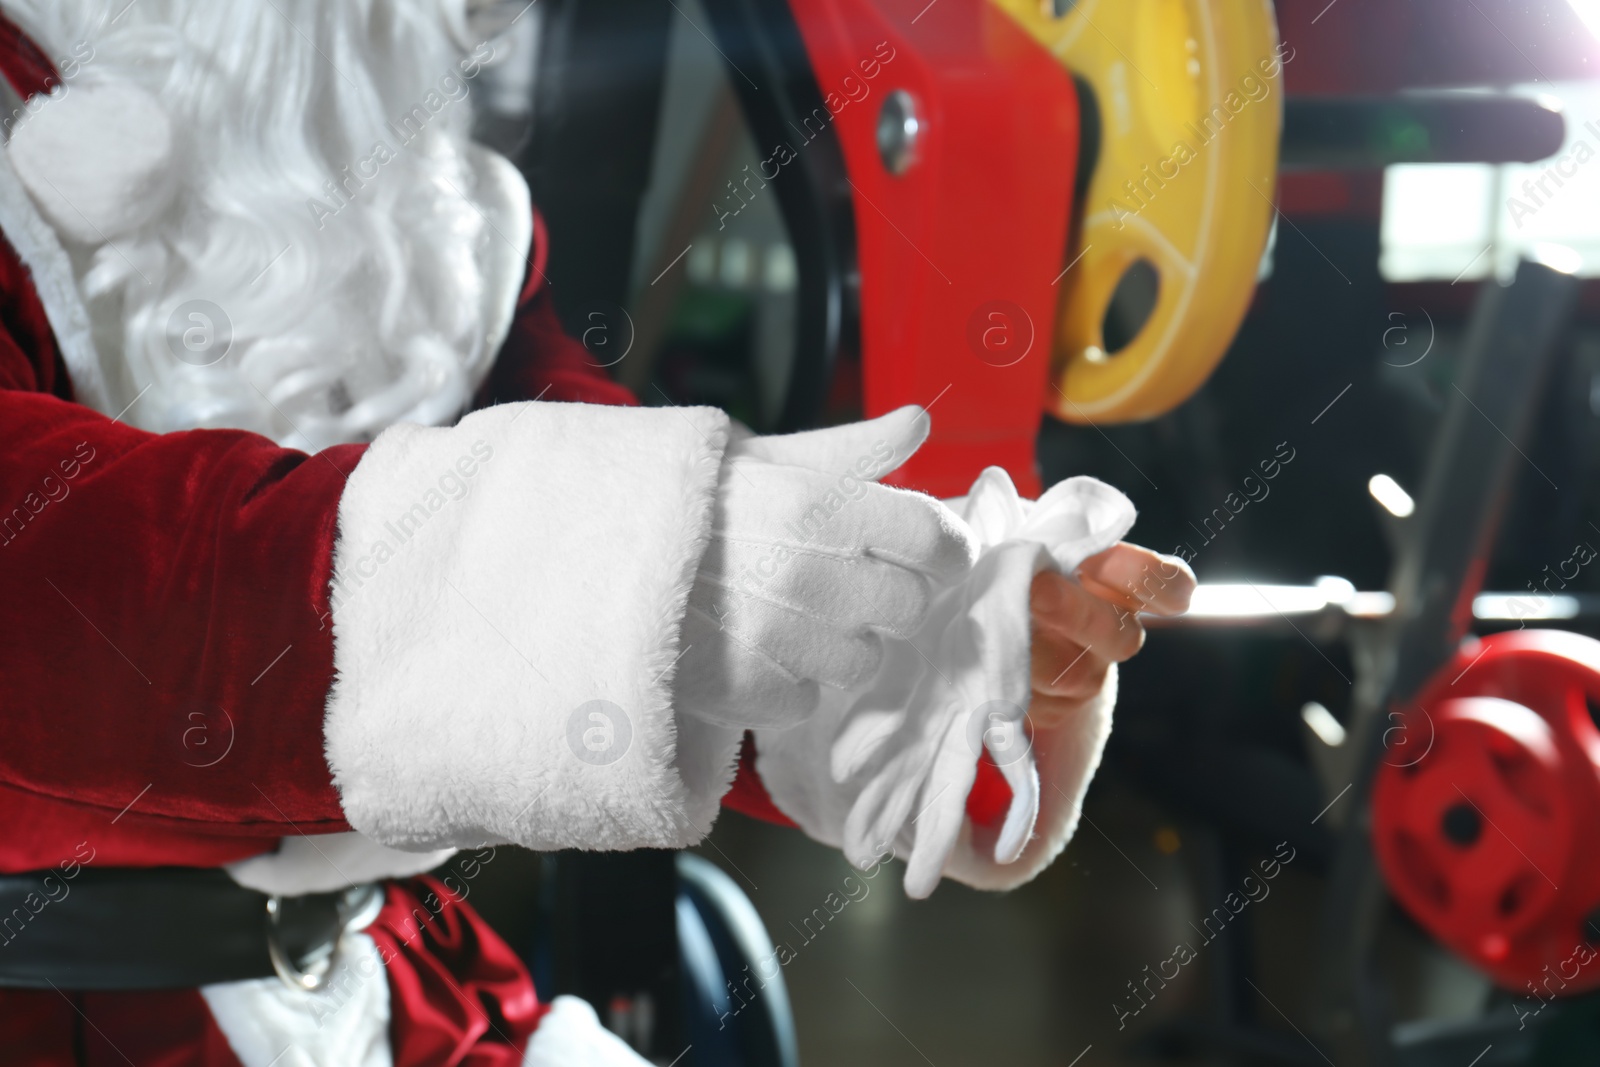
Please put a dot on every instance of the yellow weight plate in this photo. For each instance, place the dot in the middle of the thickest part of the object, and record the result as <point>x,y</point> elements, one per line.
<point>1190,102</point>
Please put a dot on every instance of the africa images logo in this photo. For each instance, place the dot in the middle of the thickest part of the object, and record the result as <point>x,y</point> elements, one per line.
<point>599,732</point>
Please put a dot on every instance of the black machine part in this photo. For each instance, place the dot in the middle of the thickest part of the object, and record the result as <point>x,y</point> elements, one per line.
<point>746,964</point>
<point>1369,132</point>
<point>770,70</point>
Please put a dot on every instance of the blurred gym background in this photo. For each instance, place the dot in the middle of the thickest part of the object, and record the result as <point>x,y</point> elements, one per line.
<point>1387,294</point>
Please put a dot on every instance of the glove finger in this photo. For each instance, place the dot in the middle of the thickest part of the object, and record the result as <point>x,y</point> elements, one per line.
<point>1022,775</point>
<point>881,721</point>
<point>881,809</point>
<point>861,739</point>
<point>868,449</point>
<point>721,680</point>
<point>937,826</point>
<point>1078,518</point>
<point>793,507</point>
<point>850,593</point>
<point>803,646</point>
<point>992,507</point>
<point>920,533</point>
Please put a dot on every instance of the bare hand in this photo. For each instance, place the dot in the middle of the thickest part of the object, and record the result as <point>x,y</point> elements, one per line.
<point>1081,628</point>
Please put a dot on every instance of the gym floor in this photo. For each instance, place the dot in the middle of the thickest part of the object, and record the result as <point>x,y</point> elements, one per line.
<point>1042,975</point>
<point>1035,976</point>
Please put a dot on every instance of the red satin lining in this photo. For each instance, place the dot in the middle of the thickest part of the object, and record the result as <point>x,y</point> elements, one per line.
<point>458,995</point>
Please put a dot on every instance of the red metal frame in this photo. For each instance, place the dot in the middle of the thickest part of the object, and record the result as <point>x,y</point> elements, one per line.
<point>975,229</point>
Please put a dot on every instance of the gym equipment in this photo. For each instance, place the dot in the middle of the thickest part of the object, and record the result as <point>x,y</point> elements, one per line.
<point>1511,345</point>
<point>1001,205</point>
<point>924,157</point>
<point>939,189</point>
<point>1487,804</point>
<point>930,198</point>
<point>1335,133</point>
<point>734,996</point>
<point>671,953</point>
<point>1187,98</point>
<point>1387,784</point>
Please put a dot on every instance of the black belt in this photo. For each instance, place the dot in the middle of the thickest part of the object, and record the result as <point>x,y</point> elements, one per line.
<point>166,928</point>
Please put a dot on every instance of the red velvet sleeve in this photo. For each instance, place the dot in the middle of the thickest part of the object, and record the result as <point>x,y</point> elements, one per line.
<point>166,654</point>
<point>168,657</point>
<point>166,641</point>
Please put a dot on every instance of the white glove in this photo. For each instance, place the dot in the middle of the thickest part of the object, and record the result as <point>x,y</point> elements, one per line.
<point>961,684</point>
<point>915,739</point>
<point>808,559</point>
<point>890,765</point>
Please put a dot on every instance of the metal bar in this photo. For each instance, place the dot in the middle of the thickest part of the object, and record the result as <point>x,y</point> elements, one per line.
<point>1253,605</point>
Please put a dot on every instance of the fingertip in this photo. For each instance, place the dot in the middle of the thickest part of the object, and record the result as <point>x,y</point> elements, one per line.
<point>915,414</point>
<point>905,429</point>
<point>1139,578</point>
<point>1133,642</point>
<point>1174,598</point>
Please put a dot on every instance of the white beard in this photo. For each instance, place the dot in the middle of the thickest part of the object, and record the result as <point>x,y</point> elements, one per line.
<point>310,175</point>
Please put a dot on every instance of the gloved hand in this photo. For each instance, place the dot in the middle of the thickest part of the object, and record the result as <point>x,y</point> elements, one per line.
<point>961,686</point>
<point>809,559</point>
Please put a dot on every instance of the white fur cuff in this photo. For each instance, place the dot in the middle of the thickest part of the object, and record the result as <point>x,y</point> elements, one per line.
<point>506,602</point>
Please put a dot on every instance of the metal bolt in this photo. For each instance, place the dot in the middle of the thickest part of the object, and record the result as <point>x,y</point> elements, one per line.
<point>899,132</point>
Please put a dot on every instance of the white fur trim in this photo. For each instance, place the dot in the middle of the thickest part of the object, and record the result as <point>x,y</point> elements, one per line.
<point>504,658</point>
<point>507,206</point>
<point>326,862</point>
<point>96,159</point>
<point>346,1024</point>
<point>570,1035</point>
<point>707,760</point>
<point>40,250</point>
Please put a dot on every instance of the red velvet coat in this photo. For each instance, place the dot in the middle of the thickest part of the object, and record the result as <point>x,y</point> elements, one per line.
<point>145,577</point>
<point>150,580</point>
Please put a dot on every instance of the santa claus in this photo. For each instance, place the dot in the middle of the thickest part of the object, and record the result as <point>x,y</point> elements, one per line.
<point>327,553</point>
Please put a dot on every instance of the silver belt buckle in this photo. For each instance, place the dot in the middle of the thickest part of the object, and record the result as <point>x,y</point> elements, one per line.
<point>358,906</point>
